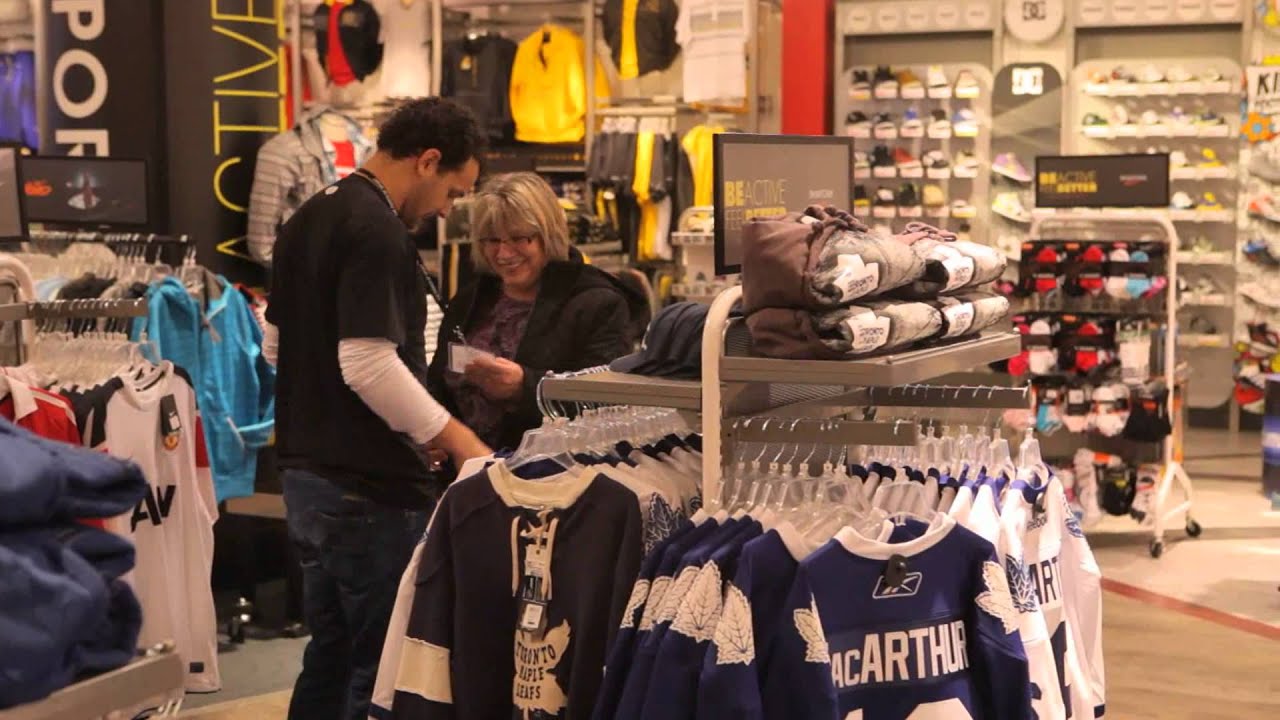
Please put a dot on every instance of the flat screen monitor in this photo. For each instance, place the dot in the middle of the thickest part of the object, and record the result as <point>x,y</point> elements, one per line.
<point>89,192</point>
<point>12,226</point>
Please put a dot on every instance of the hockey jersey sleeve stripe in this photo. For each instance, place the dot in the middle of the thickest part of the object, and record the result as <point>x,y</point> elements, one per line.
<point>424,671</point>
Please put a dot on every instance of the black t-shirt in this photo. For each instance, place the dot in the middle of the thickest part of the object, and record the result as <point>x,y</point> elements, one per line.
<point>344,267</point>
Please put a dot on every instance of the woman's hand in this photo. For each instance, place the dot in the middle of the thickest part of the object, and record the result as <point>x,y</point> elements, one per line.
<point>498,378</point>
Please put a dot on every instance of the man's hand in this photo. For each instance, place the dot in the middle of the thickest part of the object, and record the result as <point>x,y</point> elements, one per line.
<point>461,444</point>
<point>498,378</point>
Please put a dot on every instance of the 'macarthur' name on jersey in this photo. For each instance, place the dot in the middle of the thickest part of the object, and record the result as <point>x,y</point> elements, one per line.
<point>895,656</point>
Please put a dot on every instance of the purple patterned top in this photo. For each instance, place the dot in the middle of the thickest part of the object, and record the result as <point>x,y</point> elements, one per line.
<point>498,330</point>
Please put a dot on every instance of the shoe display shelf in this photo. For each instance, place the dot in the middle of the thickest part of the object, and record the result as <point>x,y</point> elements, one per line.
<point>695,258</point>
<point>922,139</point>
<point>1257,302</point>
<point>1190,108</point>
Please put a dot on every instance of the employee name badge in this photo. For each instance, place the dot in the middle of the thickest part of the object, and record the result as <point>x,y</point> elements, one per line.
<point>460,356</point>
<point>170,422</point>
<point>533,601</point>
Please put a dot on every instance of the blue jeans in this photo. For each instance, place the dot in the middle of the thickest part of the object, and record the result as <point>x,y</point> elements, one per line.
<point>353,552</point>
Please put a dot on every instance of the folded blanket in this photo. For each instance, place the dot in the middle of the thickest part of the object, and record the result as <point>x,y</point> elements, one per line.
<point>969,312</point>
<point>855,264</point>
<point>951,265</point>
<point>843,333</point>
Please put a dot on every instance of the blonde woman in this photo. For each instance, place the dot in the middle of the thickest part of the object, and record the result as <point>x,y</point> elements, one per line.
<point>535,306</point>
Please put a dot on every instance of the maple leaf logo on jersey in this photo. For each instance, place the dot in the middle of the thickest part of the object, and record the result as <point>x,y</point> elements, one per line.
<point>996,599</point>
<point>679,589</point>
<point>1021,587</point>
<point>809,625</point>
<point>663,521</point>
<point>537,690</point>
<point>657,591</point>
<point>639,592</point>
<point>734,637</point>
<point>700,611</point>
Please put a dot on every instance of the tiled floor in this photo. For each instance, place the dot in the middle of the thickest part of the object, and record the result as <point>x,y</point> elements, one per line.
<point>1194,635</point>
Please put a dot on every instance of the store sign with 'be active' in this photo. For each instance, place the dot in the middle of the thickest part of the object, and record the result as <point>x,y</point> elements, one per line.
<point>1100,181</point>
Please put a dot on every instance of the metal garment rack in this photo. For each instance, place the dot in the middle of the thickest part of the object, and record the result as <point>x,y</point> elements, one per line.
<point>67,309</point>
<point>1100,225</point>
<point>736,385</point>
<point>155,681</point>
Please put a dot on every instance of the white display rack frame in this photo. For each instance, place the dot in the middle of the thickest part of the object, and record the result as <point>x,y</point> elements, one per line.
<point>1172,473</point>
<point>734,386</point>
<point>156,680</point>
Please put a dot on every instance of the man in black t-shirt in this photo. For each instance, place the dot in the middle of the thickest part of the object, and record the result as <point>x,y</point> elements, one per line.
<point>354,421</point>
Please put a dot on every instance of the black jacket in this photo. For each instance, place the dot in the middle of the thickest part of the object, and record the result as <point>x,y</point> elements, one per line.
<point>655,32</point>
<point>358,31</point>
<point>477,73</point>
<point>580,319</point>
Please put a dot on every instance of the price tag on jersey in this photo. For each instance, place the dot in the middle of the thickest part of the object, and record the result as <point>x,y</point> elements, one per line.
<point>170,422</point>
<point>533,617</point>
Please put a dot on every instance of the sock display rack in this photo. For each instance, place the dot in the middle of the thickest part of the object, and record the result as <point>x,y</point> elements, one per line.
<point>1108,383</point>
<point>922,139</point>
<point>1190,108</point>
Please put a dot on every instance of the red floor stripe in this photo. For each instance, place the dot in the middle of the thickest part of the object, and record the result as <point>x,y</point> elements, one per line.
<point>1253,627</point>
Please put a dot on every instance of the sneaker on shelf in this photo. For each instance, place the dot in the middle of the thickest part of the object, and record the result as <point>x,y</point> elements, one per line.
<point>1261,293</point>
<point>965,122</point>
<point>1263,206</point>
<point>907,163</point>
<point>1210,119</point>
<point>1150,74</point>
<point>1150,119</point>
<point>939,125</point>
<point>966,165</point>
<point>912,125</point>
<point>1009,205</point>
<point>1182,201</point>
<point>1209,159</point>
<point>967,85</point>
<point>909,84</point>
<point>963,209</point>
<point>937,164</point>
<point>1259,252</point>
<point>1209,201</point>
<point>1210,76</point>
<point>1098,77</point>
<point>1182,122</point>
<point>1094,120</point>
<point>885,199</point>
<point>860,88</point>
<point>1121,74</point>
<point>884,84</point>
<point>1120,115</point>
<point>881,157</point>
<point>884,126</point>
<point>934,198</point>
<point>860,162</point>
<point>939,83</point>
<point>1008,165</point>
<point>1177,160</point>
<point>857,124</point>
<point>860,199</point>
<point>908,199</point>
<point>1178,74</point>
<point>1265,162</point>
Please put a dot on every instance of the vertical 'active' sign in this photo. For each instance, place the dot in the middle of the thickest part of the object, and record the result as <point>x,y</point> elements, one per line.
<point>766,175</point>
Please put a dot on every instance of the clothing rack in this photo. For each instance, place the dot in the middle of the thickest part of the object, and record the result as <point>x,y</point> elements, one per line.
<point>108,238</point>
<point>155,680</point>
<point>67,309</point>
<point>1149,227</point>
<point>735,384</point>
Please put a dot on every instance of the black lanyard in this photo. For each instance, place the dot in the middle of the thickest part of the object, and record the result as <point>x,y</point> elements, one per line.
<point>374,181</point>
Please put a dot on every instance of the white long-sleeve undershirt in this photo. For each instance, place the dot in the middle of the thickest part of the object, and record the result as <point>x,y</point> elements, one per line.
<point>375,373</point>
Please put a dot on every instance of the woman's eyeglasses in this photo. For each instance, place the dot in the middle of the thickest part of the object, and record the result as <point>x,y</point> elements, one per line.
<point>514,241</point>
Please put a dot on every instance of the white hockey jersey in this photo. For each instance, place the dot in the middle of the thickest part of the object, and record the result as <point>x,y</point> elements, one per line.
<point>1067,582</point>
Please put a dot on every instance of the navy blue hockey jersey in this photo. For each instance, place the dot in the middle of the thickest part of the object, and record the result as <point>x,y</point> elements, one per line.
<point>943,643</point>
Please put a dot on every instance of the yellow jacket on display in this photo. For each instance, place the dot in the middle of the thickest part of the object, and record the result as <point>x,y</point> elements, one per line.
<point>549,87</point>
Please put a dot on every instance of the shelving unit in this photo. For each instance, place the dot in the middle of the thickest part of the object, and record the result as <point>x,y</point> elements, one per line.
<point>152,683</point>
<point>1199,176</point>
